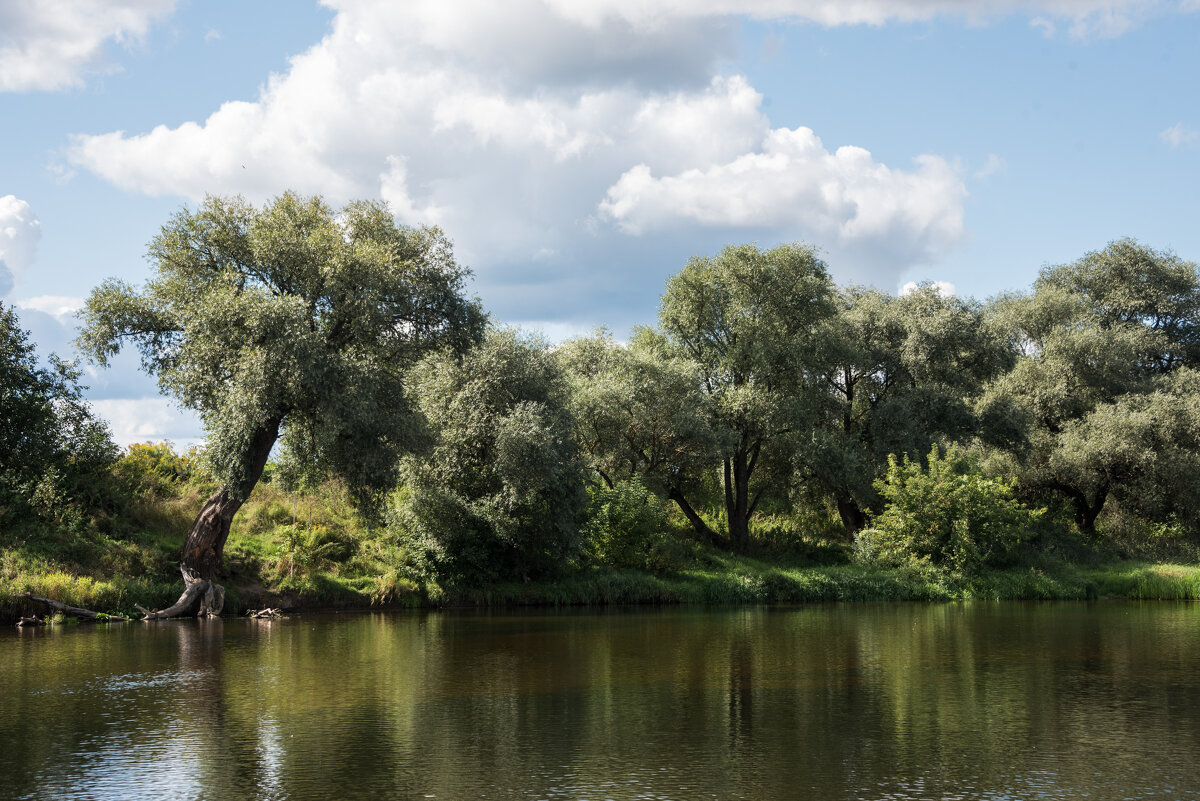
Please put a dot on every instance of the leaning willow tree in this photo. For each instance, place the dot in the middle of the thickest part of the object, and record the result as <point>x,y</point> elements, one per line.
<point>287,318</point>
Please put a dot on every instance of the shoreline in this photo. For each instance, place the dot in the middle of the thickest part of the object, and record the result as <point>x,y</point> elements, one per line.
<point>759,585</point>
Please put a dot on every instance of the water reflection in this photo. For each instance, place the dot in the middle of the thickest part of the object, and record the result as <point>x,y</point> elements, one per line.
<point>842,702</point>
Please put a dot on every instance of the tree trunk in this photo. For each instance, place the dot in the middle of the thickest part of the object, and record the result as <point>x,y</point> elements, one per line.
<point>737,498</point>
<point>702,528</point>
<point>205,545</point>
<point>1086,509</point>
<point>73,611</point>
<point>1086,512</point>
<point>852,516</point>
<point>200,596</point>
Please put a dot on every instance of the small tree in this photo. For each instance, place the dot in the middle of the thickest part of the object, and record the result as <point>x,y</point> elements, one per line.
<point>48,436</point>
<point>289,316</point>
<point>641,412</point>
<point>501,494</point>
<point>945,514</point>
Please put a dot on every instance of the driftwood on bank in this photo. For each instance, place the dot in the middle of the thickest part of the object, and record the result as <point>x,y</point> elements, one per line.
<point>58,606</point>
<point>265,613</point>
<point>200,597</point>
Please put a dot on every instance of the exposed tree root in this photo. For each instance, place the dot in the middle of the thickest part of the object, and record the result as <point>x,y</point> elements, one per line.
<point>201,597</point>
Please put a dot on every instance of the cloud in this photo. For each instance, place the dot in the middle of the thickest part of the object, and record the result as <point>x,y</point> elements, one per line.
<point>993,165</point>
<point>20,231</point>
<point>844,199</point>
<point>149,420</point>
<point>944,288</point>
<point>1179,135</point>
<point>53,44</point>
<point>60,307</point>
<point>531,127</point>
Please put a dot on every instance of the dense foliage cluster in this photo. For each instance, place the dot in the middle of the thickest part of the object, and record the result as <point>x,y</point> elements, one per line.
<point>51,447</point>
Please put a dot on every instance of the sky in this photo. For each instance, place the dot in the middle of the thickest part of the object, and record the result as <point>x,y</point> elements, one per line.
<point>579,152</point>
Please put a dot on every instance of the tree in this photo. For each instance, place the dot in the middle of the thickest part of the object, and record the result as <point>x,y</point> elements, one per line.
<point>1100,336</point>
<point>641,412</point>
<point>901,374</point>
<point>500,494</point>
<point>752,323</point>
<point>287,318</point>
<point>47,433</point>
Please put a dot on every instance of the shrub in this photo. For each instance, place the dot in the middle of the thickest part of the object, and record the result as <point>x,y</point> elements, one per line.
<point>501,495</point>
<point>946,515</point>
<point>155,466</point>
<point>623,522</point>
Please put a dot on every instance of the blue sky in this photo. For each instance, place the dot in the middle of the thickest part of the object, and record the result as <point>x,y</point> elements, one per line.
<point>579,152</point>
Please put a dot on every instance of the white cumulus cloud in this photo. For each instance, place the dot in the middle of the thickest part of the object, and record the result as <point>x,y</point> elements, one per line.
<point>527,127</point>
<point>20,231</point>
<point>149,420</point>
<point>61,307</point>
<point>843,198</point>
<point>53,44</point>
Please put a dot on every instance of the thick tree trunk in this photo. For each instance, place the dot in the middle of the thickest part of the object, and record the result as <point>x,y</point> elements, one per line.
<point>737,498</point>
<point>1086,509</point>
<point>1086,512</point>
<point>852,516</point>
<point>702,528</point>
<point>205,545</point>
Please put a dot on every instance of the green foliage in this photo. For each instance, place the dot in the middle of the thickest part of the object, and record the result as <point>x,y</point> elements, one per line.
<point>53,453</point>
<point>945,515</point>
<point>623,523</point>
<point>156,467</point>
<point>1102,337</point>
<point>901,375</point>
<point>751,322</point>
<point>292,317</point>
<point>502,493</point>
<point>638,410</point>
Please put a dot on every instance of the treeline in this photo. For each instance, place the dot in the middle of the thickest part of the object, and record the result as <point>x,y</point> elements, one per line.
<point>766,406</point>
<point>956,430</point>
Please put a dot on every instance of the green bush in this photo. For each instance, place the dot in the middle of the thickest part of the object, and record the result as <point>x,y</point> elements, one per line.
<point>623,522</point>
<point>155,466</point>
<point>946,515</point>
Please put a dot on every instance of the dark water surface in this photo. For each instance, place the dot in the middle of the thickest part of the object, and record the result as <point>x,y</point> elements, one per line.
<point>982,701</point>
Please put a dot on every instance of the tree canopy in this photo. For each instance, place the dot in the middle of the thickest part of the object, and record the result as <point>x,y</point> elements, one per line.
<point>501,493</point>
<point>751,321</point>
<point>1100,338</point>
<point>291,318</point>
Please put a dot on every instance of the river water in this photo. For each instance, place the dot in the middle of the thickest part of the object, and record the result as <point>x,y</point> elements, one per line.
<point>862,701</point>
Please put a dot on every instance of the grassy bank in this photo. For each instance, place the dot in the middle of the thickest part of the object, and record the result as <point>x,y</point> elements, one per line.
<point>723,580</point>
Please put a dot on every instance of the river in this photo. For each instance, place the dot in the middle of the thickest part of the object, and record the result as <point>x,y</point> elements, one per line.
<point>856,701</point>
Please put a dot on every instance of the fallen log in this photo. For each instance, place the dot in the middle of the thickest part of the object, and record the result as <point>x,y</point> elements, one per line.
<point>29,621</point>
<point>73,611</point>
<point>265,613</point>
<point>205,597</point>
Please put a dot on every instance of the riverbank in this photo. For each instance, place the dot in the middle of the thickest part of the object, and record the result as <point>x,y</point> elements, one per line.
<point>313,551</point>
<point>731,580</point>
